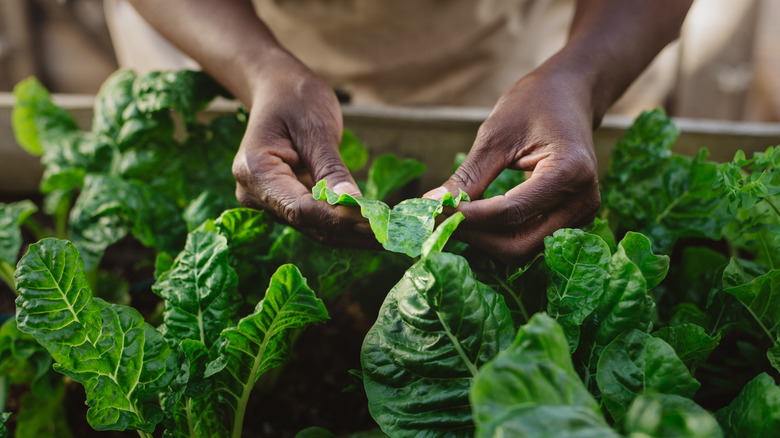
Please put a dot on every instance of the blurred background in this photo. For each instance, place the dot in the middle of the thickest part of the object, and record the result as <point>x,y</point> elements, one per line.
<point>725,66</point>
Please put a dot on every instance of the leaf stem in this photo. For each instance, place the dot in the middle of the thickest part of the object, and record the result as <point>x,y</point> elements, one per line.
<point>38,231</point>
<point>769,200</point>
<point>3,392</point>
<point>514,296</point>
<point>472,368</point>
<point>7,275</point>
<point>143,434</point>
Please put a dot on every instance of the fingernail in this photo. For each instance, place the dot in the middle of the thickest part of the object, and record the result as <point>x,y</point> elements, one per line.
<point>346,187</point>
<point>436,194</point>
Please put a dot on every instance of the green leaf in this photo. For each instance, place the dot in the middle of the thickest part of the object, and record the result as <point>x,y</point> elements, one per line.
<point>755,412</point>
<point>638,249</point>
<point>667,415</point>
<point>23,360</point>
<point>578,264</point>
<point>121,361</point>
<point>12,216</point>
<point>436,241</point>
<point>690,342</point>
<point>4,416</point>
<point>388,174</point>
<point>35,117</point>
<point>760,295</point>
<point>531,379</point>
<point>43,415</point>
<point>601,228</point>
<point>199,290</point>
<point>437,326</point>
<point>635,364</point>
<point>354,154</point>
<point>190,403</point>
<point>262,340</point>
<point>404,228</point>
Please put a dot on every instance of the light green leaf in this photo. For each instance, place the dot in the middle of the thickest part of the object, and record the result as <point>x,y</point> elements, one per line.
<point>354,154</point>
<point>755,412</point>
<point>667,415</point>
<point>436,241</point>
<point>388,174</point>
<point>199,290</point>
<point>35,117</point>
<point>533,377</point>
<point>578,264</point>
<point>262,340</point>
<point>437,326</point>
<point>636,363</point>
<point>121,361</point>
<point>12,216</point>
<point>404,228</point>
<point>638,249</point>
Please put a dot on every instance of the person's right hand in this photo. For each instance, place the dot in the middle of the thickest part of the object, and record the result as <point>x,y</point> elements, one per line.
<point>291,142</point>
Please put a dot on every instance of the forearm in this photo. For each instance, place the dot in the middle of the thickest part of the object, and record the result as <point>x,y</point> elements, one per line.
<point>612,41</point>
<point>224,36</point>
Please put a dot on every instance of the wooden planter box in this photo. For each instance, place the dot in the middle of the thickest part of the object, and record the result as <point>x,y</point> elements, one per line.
<point>432,135</point>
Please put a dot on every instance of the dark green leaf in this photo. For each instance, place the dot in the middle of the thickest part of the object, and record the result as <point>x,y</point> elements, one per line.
<point>635,364</point>
<point>199,290</point>
<point>691,343</point>
<point>578,264</point>
<point>755,412</point>
<point>760,295</point>
<point>437,326</point>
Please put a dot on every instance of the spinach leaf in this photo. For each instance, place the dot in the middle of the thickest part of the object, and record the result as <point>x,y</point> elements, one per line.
<point>532,390</point>
<point>578,264</point>
<point>199,290</point>
<point>120,360</point>
<point>12,216</point>
<point>354,154</point>
<point>437,326</point>
<point>755,412</point>
<point>690,342</point>
<point>389,174</point>
<point>636,363</point>
<point>261,341</point>
<point>667,415</point>
<point>35,116</point>
<point>402,229</point>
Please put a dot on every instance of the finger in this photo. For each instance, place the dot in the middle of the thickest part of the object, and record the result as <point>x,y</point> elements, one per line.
<point>517,246</point>
<point>481,166</point>
<point>318,144</point>
<point>553,183</point>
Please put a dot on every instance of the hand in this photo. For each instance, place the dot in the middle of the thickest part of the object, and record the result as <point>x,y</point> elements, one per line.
<point>291,141</point>
<point>542,125</point>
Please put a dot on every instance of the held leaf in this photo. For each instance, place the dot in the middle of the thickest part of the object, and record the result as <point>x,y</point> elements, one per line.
<point>405,227</point>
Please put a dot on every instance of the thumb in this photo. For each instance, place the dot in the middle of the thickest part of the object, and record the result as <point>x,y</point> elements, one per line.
<point>324,162</point>
<point>481,166</point>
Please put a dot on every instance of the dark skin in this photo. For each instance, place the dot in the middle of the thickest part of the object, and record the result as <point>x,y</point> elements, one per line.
<point>543,124</point>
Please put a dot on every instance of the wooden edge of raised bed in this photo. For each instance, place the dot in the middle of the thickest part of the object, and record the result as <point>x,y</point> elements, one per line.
<point>432,135</point>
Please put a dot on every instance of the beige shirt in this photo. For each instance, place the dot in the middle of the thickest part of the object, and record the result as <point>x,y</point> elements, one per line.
<point>400,52</point>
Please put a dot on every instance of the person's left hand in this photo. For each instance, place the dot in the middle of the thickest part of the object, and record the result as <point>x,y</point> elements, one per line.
<point>543,125</point>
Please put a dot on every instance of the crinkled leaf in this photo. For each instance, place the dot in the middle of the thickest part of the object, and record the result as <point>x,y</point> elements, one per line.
<point>668,415</point>
<point>190,403</point>
<point>638,249</point>
<point>437,326</point>
<point>404,228</point>
<point>601,228</point>
<point>68,158</point>
<point>121,361</point>
<point>199,290</point>
<point>35,117</point>
<point>262,340</point>
<point>636,363</point>
<point>388,174</point>
<point>11,218</point>
<point>534,376</point>
<point>690,342</point>
<point>755,412</point>
<point>578,264</point>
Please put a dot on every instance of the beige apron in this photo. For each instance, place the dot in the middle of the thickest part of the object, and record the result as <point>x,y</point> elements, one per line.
<point>399,52</point>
